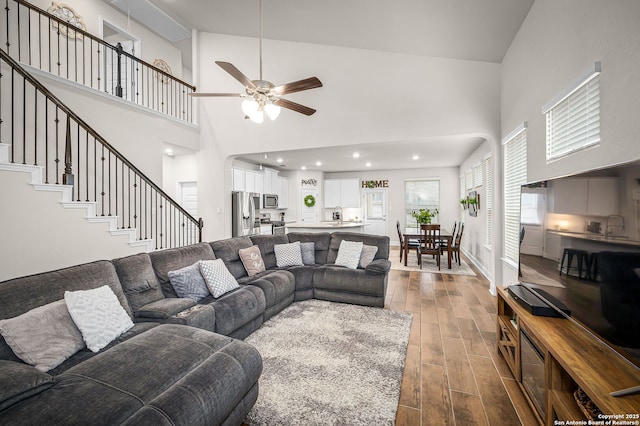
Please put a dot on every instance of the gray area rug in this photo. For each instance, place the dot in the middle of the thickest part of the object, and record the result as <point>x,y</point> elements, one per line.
<point>330,364</point>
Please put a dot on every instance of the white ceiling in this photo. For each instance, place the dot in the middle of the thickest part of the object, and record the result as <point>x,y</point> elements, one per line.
<point>460,29</point>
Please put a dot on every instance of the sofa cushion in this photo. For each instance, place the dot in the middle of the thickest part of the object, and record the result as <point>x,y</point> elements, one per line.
<point>382,242</point>
<point>20,381</point>
<point>138,280</point>
<point>320,240</point>
<point>173,259</point>
<point>43,337</point>
<point>266,244</point>
<point>228,251</point>
<point>349,254</point>
<point>252,260</point>
<point>98,315</point>
<point>288,254</point>
<point>218,278</point>
<point>189,282</point>
<point>237,308</point>
<point>165,308</point>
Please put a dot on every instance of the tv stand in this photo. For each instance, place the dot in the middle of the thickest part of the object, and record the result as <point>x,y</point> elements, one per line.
<point>573,360</point>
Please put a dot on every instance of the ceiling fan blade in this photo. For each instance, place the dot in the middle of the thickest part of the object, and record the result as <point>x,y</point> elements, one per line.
<point>294,106</point>
<point>298,86</point>
<point>205,95</point>
<point>235,73</point>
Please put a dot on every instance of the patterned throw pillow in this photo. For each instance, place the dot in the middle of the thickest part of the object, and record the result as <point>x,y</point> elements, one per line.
<point>368,253</point>
<point>218,278</point>
<point>188,282</point>
<point>288,254</point>
<point>252,260</point>
<point>308,253</point>
<point>43,337</point>
<point>349,254</point>
<point>98,314</point>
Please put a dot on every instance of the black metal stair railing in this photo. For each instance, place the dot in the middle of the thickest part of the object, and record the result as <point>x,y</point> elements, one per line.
<point>36,38</point>
<point>42,131</point>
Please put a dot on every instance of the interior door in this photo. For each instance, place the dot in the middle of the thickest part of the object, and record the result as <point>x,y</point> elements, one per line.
<point>374,203</point>
<point>308,214</point>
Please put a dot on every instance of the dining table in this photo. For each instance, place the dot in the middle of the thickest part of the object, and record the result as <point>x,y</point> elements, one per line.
<point>414,234</point>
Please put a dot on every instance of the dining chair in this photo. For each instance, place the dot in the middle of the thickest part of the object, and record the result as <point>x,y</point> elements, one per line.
<point>444,243</point>
<point>457,241</point>
<point>430,235</point>
<point>412,243</point>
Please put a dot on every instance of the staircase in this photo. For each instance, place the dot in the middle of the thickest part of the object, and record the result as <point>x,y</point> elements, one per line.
<point>43,137</point>
<point>66,199</point>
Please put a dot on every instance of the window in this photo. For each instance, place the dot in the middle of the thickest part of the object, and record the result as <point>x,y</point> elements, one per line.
<point>515,175</point>
<point>420,194</point>
<point>488,201</point>
<point>532,207</point>
<point>469,178</point>
<point>573,118</point>
<point>477,175</point>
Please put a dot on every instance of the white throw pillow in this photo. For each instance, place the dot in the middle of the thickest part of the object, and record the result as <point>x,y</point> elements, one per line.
<point>98,315</point>
<point>218,278</point>
<point>349,254</point>
<point>288,254</point>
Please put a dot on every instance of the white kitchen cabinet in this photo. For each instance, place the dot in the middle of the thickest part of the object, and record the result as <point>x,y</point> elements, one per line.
<point>586,196</point>
<point>238,180</point>
<point>270,181</point>
<point>283,196</point>
<point>342,192</point>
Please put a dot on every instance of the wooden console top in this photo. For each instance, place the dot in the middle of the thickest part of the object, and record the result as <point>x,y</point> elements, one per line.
<point>595,368</point>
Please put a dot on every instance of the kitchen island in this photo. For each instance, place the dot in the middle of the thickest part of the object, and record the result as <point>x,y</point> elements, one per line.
<point>345,226</point>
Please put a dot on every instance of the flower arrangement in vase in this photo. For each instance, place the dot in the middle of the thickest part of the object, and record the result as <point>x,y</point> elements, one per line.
<point>424,215</point>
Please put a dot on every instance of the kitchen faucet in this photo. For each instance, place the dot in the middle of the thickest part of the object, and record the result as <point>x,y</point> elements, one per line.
<point>607,231</point>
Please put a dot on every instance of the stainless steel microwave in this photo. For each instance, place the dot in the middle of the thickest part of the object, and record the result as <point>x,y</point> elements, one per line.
<point>269,201</point>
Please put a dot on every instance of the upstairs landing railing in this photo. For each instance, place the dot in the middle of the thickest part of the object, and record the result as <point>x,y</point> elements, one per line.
<point>43,41</point>
<point>42,131</point>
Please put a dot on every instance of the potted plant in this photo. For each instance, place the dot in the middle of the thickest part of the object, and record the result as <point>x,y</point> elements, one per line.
<point>424,215</point>
<point>464,202</point>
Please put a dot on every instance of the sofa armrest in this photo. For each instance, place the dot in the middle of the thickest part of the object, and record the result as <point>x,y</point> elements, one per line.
<point>164,308</point>
<point>20,381</point>
<point>378,267</point>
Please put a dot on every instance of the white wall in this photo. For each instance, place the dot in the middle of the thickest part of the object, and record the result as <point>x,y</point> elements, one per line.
<point>38,234</point>
<point>557,42</point>
<point>475,230</point>
<point>367,97</point>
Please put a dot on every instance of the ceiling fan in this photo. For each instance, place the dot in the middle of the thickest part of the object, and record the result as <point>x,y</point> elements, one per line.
<point>263,97</point>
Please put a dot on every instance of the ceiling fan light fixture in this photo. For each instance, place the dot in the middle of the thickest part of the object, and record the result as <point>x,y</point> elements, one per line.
<point>257,117</point>
<point>272,110</point>
<point>249,107</point>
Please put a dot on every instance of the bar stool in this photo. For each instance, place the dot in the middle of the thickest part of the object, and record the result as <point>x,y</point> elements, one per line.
<point>593,265</point>
<point>582,258</point>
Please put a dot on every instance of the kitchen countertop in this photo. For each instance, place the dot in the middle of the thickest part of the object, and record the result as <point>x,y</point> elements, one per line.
<point>327,225</point>
<point>597,238</point>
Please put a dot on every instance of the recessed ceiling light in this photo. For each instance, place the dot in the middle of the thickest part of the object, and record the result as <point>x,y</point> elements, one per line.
<point>279,160</point>
<point>415,157</point>
<point>356,155</point>
<point>303,168</point>
<point>318,163</point>
<point>169,152</point>
<point>368,164</point>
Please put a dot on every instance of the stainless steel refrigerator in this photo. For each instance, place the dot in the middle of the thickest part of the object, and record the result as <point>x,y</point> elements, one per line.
<point>245,213</point>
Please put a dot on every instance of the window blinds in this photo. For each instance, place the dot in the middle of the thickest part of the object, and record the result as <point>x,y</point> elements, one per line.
<point>573,123</point>
<point>488,200</point>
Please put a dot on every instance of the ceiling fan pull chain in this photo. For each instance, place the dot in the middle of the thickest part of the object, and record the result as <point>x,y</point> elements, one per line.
<point>260,39</point>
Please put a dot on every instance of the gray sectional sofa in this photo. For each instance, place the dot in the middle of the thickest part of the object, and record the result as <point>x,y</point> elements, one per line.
<point>182,361</point>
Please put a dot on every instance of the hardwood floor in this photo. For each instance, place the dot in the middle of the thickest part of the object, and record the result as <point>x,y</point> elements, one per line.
<point>453,372</point>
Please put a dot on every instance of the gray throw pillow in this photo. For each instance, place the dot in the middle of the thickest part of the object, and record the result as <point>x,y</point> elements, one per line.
<point>43,337</point>
<point>308,253</point>
<point>189,282</point>
<point>367,255</point>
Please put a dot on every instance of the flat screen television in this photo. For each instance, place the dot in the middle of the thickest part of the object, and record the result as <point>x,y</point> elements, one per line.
<point>596,213</point>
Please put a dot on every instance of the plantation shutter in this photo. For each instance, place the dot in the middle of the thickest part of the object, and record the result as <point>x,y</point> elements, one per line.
<point>515,175</point>
<point>488,203</point>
